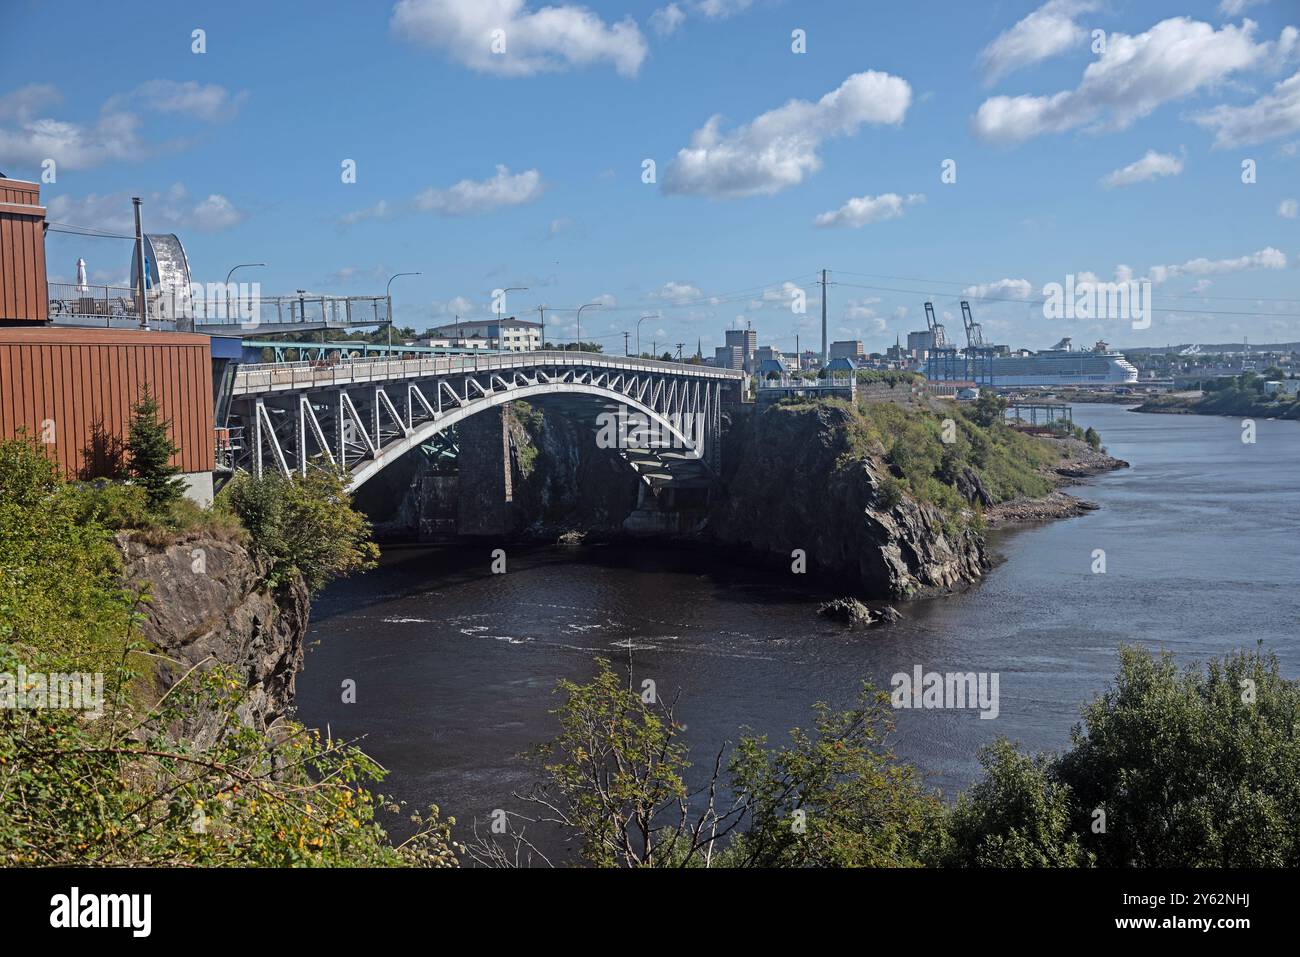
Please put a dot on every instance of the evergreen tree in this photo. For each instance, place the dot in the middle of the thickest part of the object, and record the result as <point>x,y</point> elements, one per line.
<point>149,450</point>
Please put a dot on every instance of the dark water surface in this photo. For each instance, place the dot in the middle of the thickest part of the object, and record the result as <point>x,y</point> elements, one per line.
<point>455,666</point>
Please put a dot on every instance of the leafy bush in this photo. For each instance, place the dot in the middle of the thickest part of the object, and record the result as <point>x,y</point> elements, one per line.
<point>302,526</point>
<point>1197,767</point>
<point>120,789</point>
<point>616,784</point>
<point>1018,815</point>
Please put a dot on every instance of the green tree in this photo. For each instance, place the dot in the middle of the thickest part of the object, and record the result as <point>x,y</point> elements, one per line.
<point>1092,437</point>
<point>304,525</point>
<point>125,790</point>
<point>989,408</point>
<point>616,780</point>
<point>150,451</point>
<point>60,599</point>
<point>1197,767</point>
<point>835,797</point>
<point>1017,815</point>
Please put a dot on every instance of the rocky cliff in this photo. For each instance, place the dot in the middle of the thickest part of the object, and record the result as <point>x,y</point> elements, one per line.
<point>208,604</point>
<point>793,480</point>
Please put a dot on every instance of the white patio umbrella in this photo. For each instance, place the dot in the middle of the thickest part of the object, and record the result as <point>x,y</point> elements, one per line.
<point>82,285</point>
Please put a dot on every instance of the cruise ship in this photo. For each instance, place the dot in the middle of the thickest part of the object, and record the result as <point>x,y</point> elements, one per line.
<point>1061,365</point>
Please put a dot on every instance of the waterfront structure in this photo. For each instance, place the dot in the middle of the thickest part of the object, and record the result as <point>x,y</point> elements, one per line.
<point>1061,365</point>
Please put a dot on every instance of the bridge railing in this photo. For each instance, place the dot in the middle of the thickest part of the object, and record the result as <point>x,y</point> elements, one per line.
<point>256,377</point>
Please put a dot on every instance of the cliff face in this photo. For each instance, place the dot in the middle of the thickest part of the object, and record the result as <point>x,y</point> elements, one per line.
<point>562,480</point>
<point>793,482</point>
<point>208,604</point>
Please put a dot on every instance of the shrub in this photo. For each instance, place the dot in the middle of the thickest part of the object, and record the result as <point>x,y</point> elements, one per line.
<point>302,526</point>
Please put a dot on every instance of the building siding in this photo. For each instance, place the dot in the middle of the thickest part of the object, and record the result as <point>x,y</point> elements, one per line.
<point>84,382</point>
<point>24,294</point>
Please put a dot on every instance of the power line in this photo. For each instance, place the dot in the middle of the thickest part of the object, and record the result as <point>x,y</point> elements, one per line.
<point>91,231</point>
<point>1040,301</point>
<point>969,285</point>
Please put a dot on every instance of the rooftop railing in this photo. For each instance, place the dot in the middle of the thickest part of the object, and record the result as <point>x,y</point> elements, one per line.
<point>107,305</point>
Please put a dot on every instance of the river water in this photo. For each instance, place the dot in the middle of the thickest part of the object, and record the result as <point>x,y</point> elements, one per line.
<point>455,666</point>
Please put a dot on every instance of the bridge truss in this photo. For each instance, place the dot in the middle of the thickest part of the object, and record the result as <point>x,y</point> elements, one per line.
<point>358,416</point>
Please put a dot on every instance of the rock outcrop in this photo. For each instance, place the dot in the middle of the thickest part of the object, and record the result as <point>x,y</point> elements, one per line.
<point>208,603</point>
<point>794,481</point>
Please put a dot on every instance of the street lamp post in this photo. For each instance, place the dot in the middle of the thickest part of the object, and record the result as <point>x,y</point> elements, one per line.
<point>585,305</point>
<point>649,315</point>
<point>231,273</point>
<point>388,296</point>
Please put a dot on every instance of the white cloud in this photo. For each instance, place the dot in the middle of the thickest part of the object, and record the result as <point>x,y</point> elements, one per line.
<point>113,135</point>
<point>1275,114</point>
<point>549,39</point>
<point>1047,31</point>
<point>1001,289</point>
<point>1135,75</point>
<point>666,20</point>
<point>721,9</point>
<point>208,102</point>
<point>1150,166</point>
<point>779,148</point>
<point>378,211</point>
<point>1288,209</point>
<point>470,197</point>
<point>675,291</point>
<point>1231,8</point>
<point>860,309</point>
<point>172,210</point>
<point>861,210</point>
<point>457,306</point>
<point>25,101</point>
<point>73,146</point>
<point>1266,258</point>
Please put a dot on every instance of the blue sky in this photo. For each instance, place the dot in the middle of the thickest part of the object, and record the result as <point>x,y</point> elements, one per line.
<point>525,168</point>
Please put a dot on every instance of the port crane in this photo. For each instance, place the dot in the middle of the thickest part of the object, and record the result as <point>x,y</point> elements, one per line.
<point>974,334</point>
<point>937,333</point>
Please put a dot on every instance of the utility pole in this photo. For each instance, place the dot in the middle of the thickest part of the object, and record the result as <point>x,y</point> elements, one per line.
<point>626,336</point>
<point>679,351</point>
<point>542,310</point>
<point>139,259</point>
<point>825,354</point>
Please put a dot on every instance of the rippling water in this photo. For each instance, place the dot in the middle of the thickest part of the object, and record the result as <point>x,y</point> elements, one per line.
<point>455,666</point>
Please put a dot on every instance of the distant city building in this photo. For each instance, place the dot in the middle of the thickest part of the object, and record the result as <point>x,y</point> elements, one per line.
<point>506,335</point>
<point>847,349</point>
<point>747,341</point>
<point>764,353</point>
<point>919,343</point>
<point>729,357</point>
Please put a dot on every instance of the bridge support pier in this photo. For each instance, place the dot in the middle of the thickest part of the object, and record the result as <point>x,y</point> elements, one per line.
<point>484,486</point>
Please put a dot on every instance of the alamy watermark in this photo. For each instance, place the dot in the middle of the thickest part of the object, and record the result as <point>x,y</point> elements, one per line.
<point>630,429</point>
<point>36,690</point>
<point>955,690</point>
<point>1088,299</point>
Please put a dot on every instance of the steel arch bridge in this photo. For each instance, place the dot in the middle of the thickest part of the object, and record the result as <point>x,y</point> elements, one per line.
<point>358,416</point>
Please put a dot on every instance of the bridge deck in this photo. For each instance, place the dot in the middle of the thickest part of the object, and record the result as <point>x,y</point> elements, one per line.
<point>270,377</point>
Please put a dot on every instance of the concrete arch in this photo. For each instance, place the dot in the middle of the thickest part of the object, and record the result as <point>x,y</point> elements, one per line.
<point>368,468</point>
